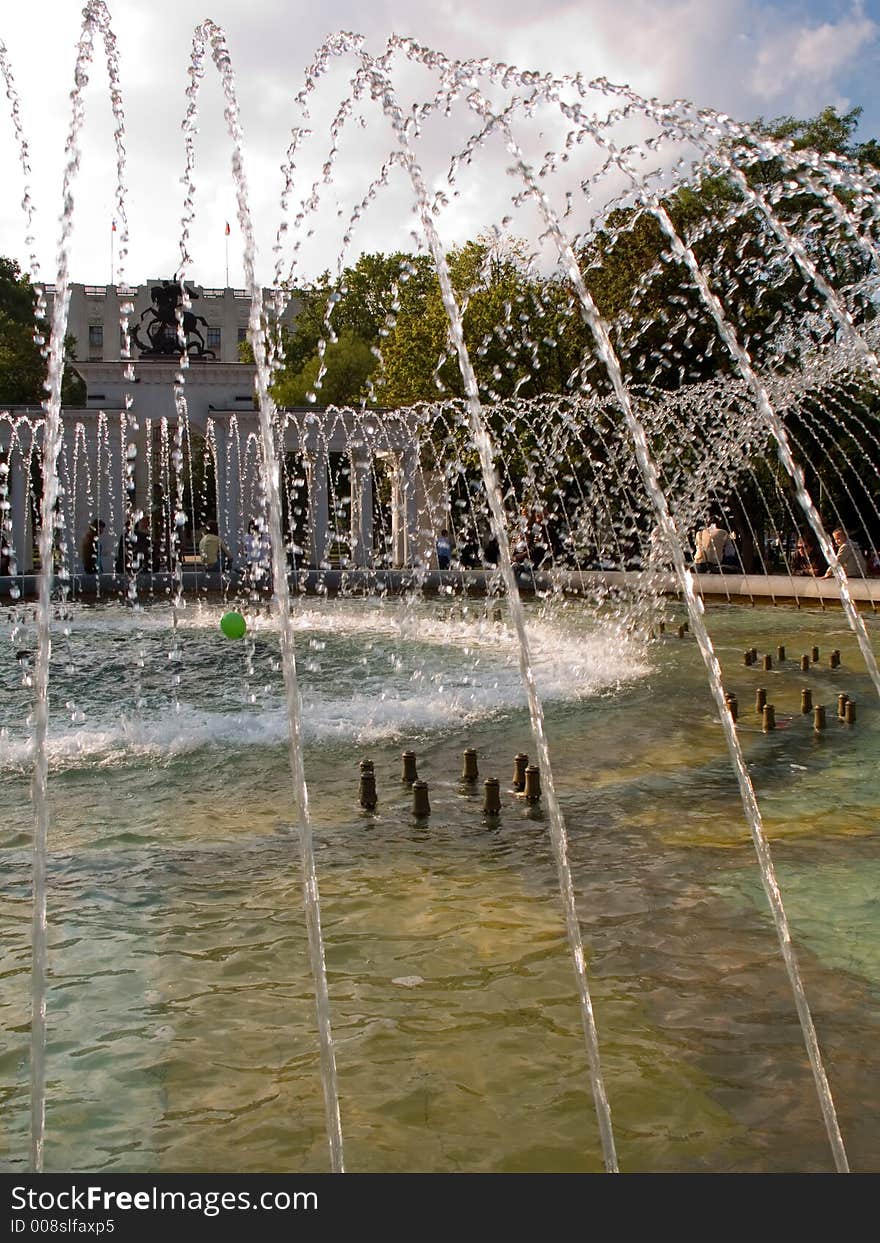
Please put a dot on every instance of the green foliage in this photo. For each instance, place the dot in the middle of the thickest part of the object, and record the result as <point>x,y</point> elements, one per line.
<point>518,328</point>
<point>355,311</point>
<point>868,153</point>
<point>16,292</point>
<point>524,332</point>
<point>660,327</point>
<point>349,362</point>
<point>22,365</point>
<point>827,133</point>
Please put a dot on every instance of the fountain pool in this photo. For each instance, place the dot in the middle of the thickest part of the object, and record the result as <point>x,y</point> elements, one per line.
<point>663,317</point>
<point>181,1010</point>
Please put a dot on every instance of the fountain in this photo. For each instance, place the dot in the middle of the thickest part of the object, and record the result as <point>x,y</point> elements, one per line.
<point>570,453</point>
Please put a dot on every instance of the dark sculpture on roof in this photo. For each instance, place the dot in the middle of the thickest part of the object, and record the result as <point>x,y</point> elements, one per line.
<point>170,330</point>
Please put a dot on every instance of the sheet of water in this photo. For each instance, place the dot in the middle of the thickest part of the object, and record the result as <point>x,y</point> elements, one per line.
<point>180,997</point>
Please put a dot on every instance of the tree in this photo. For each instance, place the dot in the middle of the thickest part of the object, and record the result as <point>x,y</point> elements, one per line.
<point>660,326</point>
<point>351,317</point>
<point>827,133</point>
<point>525,333</point>
<point>22,365</point>
<point>521,334</point>
<point>349,361</point>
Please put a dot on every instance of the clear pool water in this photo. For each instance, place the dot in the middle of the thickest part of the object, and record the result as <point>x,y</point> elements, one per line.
<point>181,1018</point>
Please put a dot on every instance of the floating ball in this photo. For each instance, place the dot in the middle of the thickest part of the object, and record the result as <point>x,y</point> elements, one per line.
<point>233,625</point>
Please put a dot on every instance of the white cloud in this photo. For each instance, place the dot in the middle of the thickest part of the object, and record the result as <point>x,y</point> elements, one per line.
<point>805,60</point>
<point>734,55</point>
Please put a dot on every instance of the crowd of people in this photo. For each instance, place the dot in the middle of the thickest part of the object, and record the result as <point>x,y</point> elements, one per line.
<point>856,561</point>
<point>136,550</point>
<point>532,544</point>
<point>716,552</point>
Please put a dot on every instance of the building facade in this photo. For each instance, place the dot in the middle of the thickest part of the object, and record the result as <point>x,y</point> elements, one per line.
<point>118,450</point>
<point>118,457</point>
<point>95,310</point>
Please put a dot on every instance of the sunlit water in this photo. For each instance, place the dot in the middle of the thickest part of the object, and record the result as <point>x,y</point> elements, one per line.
<point>181,1011</point>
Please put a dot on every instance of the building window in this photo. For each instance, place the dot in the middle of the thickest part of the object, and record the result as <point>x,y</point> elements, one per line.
<point>242,335</point>
<point>213,338</point>
<point>96,337</point>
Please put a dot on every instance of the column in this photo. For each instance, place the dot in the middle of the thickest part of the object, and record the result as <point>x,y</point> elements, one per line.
<point>228,468</point>
<point>361,510</point>
<point>142,499</point>
<point>250,451</point>
<point>319,513</point>
<point>111,488</point>
<point>67,500</point>
<point>432,495</point>
<point>410,472</point>
<point>398,513</point>
<point>103,501</point>
<point>81,504</point>
<point>21,534</point>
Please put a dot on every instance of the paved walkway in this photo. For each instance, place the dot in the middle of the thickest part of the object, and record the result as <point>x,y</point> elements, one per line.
<point>739,588</point>
<point>735,588</point>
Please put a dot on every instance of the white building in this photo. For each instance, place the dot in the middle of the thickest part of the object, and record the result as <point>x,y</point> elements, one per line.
<point>117,454</point>
<point>94,318</point>
<point>116,449</point>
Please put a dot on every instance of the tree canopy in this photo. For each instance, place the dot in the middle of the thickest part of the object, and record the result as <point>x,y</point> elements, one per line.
<point>379,334</point>
<point>22,363</point>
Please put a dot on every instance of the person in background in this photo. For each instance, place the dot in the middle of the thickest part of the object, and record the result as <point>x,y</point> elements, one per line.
<point>807,558</point>
<point>469,549</point>
<point>135,549</point>
<point>444,550</point>
<point>730,557</point>
<point>213,551</point>
<point>143,545</point>
<point>848,555</point>
<point>710,545</point>
<point>91,548</point>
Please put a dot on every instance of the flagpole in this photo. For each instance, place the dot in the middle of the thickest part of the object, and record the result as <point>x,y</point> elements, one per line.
<point>226,239</point>
<point>113,253</point>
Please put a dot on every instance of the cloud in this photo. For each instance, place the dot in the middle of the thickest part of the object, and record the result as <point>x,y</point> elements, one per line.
<point>805,61</point>
<point>733,55</point>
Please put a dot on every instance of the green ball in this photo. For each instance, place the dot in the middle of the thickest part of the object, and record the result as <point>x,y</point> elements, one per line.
<point>233,625</point>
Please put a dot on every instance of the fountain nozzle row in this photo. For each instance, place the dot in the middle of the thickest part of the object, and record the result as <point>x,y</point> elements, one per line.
<point>750,657</point>
<point>526,783</point>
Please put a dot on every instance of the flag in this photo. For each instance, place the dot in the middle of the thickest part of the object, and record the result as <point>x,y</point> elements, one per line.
<point>227,228</point>
<point>113,227</point>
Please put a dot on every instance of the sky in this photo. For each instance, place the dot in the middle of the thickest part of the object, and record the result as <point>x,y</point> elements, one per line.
<point>746,58</point>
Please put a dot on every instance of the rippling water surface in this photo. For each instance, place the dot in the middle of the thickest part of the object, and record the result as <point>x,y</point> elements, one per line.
<point>181,1016</point>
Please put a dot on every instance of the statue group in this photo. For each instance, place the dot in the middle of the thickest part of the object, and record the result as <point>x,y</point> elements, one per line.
<point>170,329</point>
